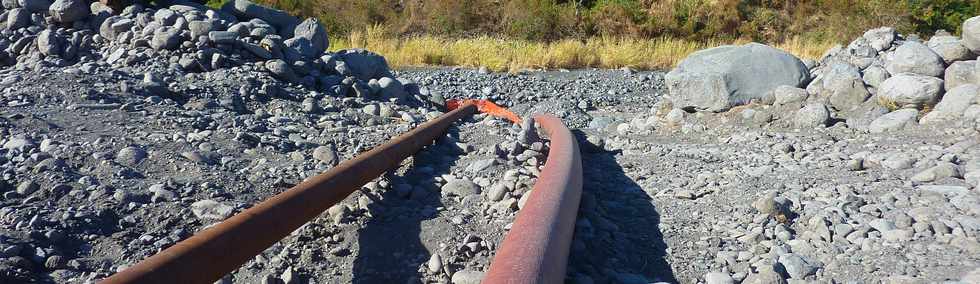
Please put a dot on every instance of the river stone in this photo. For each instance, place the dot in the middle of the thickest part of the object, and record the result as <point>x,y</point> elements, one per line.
<point>67,11</point>
<point>719,78</point>
<point>959,73</point>
<point>950,48</point>
<point>971,34</point>
<point>953,105</point>
<point>892,121</point>
<point>915,57</point>
<point>909,90</point>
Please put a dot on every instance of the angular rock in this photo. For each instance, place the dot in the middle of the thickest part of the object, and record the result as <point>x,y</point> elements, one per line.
<point>460,187</point>
<point>812,115</point>
<point>971,34</point>
<point>880,38</point>
<point>892,121</point>
<point>917,58</point>
<point>949,48</point>
<point>959,73</point>
<point>50,44</point>
<point>391,89</point>
<point>280,69</point>
<point>309,40</point>
<point>67,11</point>
<point>211,210</point>
<point>18,18</point>
<point>719,78</point>
<point>363,64</point>
<point>326,154</point>
<point>874,75</point>
<point>282,21</point>
<point>165,38</point>
<point>953,104</point>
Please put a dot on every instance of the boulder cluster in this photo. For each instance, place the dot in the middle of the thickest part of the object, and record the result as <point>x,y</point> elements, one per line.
<point>880,82</point>
<point>191,37</point>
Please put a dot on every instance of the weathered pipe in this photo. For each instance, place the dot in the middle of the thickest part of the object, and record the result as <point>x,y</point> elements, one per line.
<point>536,248</point>
<point>213,253</point>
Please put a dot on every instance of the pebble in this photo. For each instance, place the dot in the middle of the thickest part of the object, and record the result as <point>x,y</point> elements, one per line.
<point>460,187</point>
<point>467,276</point>
<point>211,210</point>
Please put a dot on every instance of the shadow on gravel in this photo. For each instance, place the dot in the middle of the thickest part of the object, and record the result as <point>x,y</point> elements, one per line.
<point>390,247</point>
<point>617,236</point>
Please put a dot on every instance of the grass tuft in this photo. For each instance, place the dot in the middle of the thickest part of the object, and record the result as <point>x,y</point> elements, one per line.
<point>500,54</point>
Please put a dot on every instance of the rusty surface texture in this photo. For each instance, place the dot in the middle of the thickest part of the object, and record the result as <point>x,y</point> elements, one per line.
<point>211,254</point>
<point>536,248</point>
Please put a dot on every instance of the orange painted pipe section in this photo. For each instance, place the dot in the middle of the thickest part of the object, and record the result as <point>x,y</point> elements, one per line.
<point>487,107</point>
<point>213,253</point>
<point>536,248</point>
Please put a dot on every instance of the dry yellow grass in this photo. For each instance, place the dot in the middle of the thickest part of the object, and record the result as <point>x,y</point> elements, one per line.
<point>500,54</point>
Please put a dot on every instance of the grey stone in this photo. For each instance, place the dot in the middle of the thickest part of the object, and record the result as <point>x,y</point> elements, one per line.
<point>812,115</point>
<point>844,86</point>
<point>797,266</point>
<point>719,78</point>
<point>223,37</point>
<point>280,69</point>
<point>391,89</point>
<point>949,48</point>
<point>67,11</point>
<point>309,40</point>
<point>909,90</point>
<point>363,64</point>
<point>130,156</point>
<point>27,187</point>
<point>282,21</point>
<point>165,17</point>
<point>460,187</point>
<point>50,44</point>
<point>875,75</point>
<point>165,38</point>
<point>786,95</point>
<point>917,58</point>
<point>766,274</point>
<point>953,105</point>
<point>435,263</point>
<point>898,161</point>
<point>880,38</point>
<point>326,154</point>
<point>959,73</point>
<point>106,29</point>
<point>467,277</point>
<point>10,4</point>
<point>971,34</point>
<point>211,210</point>
<point>18,18</point>
<point>200,28</point>
<point>718,278</point>
<point>497,192</point>
<point>893,121</point>
<point>35,6</point>
<point>161,194</point>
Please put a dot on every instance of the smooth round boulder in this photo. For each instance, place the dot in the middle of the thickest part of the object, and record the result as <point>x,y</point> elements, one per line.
<point>812,115</point>
<point>909,90</point>
<point>950,48</point>
<point>971,34</point>
<point>954,103</point>
<point>915,57</point>
<point>959,73</point>
<point>67,11</point>
<point>719,78</point>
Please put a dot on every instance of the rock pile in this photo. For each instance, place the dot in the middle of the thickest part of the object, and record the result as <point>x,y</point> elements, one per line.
<point>193,38</point>
<point>880,82</point>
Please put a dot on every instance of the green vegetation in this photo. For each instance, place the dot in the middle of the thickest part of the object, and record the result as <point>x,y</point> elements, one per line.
<point>548,20</point>
<point>644,34</point>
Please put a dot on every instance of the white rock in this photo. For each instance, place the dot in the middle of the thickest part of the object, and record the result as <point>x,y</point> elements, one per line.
<point>909,90</point>
<point>915,57</point>
<point>892,121</point>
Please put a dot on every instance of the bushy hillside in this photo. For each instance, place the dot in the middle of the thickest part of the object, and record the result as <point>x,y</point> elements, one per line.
<point>760,20</point>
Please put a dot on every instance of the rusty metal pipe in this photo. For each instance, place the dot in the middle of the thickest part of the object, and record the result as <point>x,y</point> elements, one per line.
<point>211,254</point>
<point>536,248</point>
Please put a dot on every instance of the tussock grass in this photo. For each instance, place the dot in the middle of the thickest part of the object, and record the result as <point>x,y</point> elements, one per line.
<point>500,54</point>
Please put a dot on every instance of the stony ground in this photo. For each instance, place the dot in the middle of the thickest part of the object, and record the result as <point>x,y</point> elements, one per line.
<point>98,178</point>
<point>125,131</point>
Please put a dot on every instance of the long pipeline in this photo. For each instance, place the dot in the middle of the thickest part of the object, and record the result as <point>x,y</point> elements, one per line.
<point>211,254</point>
<point>536,248</point>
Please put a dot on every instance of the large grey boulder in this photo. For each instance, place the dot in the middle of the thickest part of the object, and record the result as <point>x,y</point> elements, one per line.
<point>309,40</point>
<point>874,75</point>
<point>909,90</point>
<point>880,38</point>
<point>165,38</point>
<point>718,78</point>
<point>950,48</point>
<point>959,73</point>
<point>844,87</point>
<point>35,6</point>
<point>971,34</point>
<point>245,10</point>
<point>892,121</point>
<point>10,4</point>
<point>50,44</point>
<point>18,18</point>
<point>67,11</point>
<point>915,57</point>
<point>954,103</point>
<point>363,64</point>
<point>811,116</point>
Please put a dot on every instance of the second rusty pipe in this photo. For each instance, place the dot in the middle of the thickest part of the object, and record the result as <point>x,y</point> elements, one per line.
<point>211,254</point>
<point>536,248</point>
